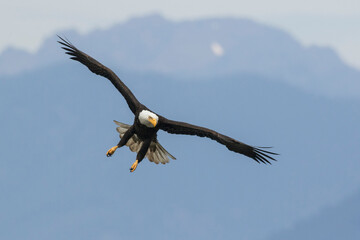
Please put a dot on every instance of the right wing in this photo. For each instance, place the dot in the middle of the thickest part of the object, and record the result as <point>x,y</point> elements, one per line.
<point>101,70</point>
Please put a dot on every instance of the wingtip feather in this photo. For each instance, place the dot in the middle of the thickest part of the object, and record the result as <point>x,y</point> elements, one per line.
<point>263,156</point>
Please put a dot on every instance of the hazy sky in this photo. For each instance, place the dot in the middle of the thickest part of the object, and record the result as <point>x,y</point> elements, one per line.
<point>335,23</point>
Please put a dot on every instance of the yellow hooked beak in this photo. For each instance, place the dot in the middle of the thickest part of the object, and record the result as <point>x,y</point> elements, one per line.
<point>153,121</point>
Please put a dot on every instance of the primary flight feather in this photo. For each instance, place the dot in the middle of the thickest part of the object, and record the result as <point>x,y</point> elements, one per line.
<point>141,137</point>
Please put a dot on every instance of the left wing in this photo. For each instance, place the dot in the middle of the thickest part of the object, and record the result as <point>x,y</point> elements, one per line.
<point>258,154</point>
<point>101,70</point>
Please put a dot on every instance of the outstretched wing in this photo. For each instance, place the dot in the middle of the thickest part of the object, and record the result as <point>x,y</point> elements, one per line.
<point>258,154</point>
<point>101,70</point>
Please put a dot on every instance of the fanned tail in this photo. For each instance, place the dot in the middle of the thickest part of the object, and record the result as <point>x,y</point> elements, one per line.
<point>156,153</point>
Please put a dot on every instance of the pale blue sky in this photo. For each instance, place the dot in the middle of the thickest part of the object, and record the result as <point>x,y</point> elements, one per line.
<point>335,23</point>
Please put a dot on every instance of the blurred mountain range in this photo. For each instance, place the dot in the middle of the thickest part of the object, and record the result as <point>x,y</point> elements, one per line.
<point>56,126</point>
<point>203,48</point>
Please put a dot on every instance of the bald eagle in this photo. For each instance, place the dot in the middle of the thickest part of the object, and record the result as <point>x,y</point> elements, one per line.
<point>141,137</point>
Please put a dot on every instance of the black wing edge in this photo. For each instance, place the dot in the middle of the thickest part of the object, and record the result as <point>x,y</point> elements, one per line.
<point>69,48</point>
<point>263,156</point>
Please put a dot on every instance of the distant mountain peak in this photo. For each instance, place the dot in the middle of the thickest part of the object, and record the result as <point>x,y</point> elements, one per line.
<point>205,48</point>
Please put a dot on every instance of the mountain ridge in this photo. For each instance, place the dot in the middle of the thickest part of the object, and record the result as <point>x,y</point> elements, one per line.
<point>154,44</point>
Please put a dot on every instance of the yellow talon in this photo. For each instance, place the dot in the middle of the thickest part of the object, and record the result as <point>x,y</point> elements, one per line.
<point>111,151</point>
<point>134,166</point>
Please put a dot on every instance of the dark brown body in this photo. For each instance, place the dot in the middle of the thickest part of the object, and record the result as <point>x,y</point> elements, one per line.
<point>145,134</point>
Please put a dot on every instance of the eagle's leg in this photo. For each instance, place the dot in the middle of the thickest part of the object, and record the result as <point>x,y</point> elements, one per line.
<point>134,166</point>
<point>111,151</point>
<point>141,154</point>
<point>128,134</point>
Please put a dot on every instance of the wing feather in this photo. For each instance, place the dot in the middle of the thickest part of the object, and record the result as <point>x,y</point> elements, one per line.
<point>99,69</point>
<point>256,153</point>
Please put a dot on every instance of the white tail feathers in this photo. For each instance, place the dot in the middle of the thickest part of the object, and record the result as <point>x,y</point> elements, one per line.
<point>156,153</point>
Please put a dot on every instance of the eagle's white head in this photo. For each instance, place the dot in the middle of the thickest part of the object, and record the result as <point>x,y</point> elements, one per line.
<point>148,118</point>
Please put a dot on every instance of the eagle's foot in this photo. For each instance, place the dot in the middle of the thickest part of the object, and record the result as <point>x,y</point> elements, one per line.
<point>134,166</point>
<point>111,151</point>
